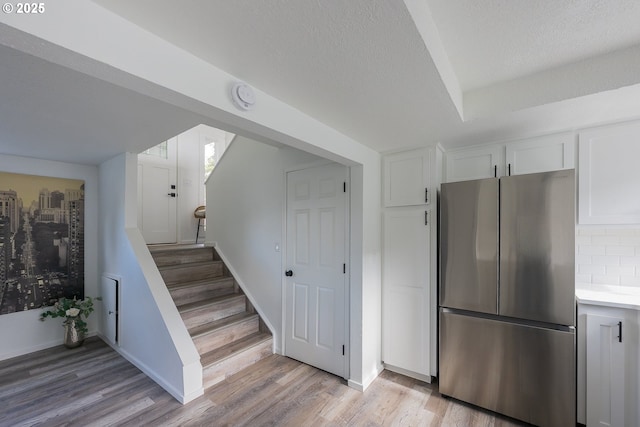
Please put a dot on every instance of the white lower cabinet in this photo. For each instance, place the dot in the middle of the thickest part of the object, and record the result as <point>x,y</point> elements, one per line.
<point>406,291</point>
<point>605,371</point>
<point>608,371</point>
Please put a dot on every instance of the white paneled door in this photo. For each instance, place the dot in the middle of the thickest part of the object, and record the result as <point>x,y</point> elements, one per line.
<point>316,280</point>
<point>157,193</point>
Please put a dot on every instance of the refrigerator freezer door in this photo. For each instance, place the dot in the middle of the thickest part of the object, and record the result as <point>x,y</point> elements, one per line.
<point>469,245</point>
<point>537,247</point>
<point>521,371</point>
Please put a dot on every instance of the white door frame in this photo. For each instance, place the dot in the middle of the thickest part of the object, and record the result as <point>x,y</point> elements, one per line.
<point>347,248</point>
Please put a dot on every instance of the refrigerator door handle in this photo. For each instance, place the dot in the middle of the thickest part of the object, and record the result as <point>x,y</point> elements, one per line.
<point>619,331</point>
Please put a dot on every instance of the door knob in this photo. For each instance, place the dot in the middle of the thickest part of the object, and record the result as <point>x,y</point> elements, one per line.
<point>288,273</point>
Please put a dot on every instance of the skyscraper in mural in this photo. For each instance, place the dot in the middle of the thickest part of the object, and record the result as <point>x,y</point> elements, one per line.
<point>75,254</point>
<point>5,248</point>
<point>9,208</point>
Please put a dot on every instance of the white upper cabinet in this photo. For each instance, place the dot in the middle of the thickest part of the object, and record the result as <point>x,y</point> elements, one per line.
<point>609,178</point>
<point>542,154</point>
<point>474,163</point>
<point>548,153</point>
<point>407,178</point>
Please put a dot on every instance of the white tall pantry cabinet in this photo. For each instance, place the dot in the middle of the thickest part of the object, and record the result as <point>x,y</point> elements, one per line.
<point>409,261</point>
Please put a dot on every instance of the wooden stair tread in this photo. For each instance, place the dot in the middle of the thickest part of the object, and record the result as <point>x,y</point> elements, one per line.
<point>221,323</point>
<point>185,308</point>
<point>189,265</point>
<point>228,350</point>
<point>159,248</point>
<point>211,281</point>
<point>220,319</point>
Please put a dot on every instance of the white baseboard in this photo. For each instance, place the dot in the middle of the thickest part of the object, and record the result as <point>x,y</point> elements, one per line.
<point>407,373</point>
<point>177,394</point>
<point>249,296</point>
<point>367,381</point>
<point>38,347</point>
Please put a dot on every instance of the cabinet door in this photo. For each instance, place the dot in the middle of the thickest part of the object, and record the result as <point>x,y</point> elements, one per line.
<point>609,175</point>
<point>605,372</point>
<point>407,178</point>
<point>476,163</point>
<point>549,153</point>
<point>406,292</point>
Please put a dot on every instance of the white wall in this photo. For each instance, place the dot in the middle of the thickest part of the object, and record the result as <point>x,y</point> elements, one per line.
<point>190,184</point>
<point>21,332</point>
<point>152,335</point>
<point>245,211</point>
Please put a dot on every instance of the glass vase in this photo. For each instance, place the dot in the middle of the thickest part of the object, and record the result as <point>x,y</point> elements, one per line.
<point>73,336</point>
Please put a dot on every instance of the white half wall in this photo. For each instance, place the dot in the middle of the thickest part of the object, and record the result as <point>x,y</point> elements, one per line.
<point>152,335</point>
<point>22,332</point>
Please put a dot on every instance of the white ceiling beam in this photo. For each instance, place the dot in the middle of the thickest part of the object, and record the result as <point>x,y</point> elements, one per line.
<point>426,26</point>
<point>587,77</point>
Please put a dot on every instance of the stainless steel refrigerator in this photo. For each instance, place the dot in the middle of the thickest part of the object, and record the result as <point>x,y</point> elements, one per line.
<point>507,296</point>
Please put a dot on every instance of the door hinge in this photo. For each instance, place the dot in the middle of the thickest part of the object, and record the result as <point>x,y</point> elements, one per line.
<point>344,268</point>
<point>343,349</point>
<point>344,187</point>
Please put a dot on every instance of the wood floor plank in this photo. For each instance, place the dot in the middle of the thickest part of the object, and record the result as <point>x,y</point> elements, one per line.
<point>94,386</point>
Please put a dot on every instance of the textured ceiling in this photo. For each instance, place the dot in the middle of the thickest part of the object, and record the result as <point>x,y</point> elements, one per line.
<point>51,112</point>
<point>346,63</point>
<point>496,40</point>
<point>366,68</point>
<point>384,72</point>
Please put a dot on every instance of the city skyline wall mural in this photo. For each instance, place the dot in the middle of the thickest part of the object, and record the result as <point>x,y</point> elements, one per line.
<point>41,241</point>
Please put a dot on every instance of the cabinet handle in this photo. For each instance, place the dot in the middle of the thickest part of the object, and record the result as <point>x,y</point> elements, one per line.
<point>426,195</point>
<point>509,169</point>
<point>495,171</point>
<point>619,331</point>
<point>426,218</point>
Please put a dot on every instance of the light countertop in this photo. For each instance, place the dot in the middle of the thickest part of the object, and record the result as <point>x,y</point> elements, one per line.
<point>608,295</point>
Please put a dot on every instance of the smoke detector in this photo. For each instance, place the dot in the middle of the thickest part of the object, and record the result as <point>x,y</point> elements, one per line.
<point>243,96</point>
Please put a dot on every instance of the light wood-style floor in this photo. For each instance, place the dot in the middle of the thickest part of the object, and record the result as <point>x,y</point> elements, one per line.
<point>94,386</point>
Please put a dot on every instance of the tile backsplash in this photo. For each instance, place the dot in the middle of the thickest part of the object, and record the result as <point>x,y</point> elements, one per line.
<point>608,256</point>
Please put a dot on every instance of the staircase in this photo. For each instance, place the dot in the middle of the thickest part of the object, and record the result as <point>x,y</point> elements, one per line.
<point>224,326</point>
